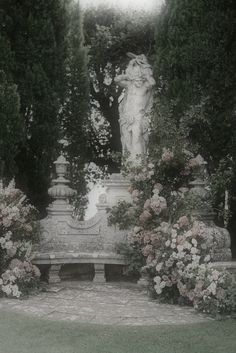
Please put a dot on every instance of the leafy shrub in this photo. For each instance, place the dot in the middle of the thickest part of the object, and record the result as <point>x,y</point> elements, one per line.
<point>168,234</point>
<point>18,231</point>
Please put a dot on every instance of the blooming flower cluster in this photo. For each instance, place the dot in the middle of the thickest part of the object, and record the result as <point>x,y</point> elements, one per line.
<point>17,232</point>
<point>19,274</point>
<point>178,249</point>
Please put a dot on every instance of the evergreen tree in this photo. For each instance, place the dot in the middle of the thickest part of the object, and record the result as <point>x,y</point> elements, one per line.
<point>75,107</point>
<point>36,31</point>
<point>195,73</point>
<point>11,122</point>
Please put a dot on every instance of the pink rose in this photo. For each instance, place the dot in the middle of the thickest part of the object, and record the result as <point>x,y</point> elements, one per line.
<point>183,222</point>
<point>145,216</point>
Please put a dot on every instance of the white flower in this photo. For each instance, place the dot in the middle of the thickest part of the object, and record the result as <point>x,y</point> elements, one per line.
<point>8,235</point>
<point>162,284</point>
<point>157,280</point>
<point>159,266</point>
<point>212,288</point>
<point>188,234</point>
<point>207,258</point>
<point>6,289</point>
<point>187,245</point>
<point>194,242</point>
<point>215,275</point>
<point>9,244</point>
<point>180,248</point>
<point>194,250</point>
<point>167,243</point>
<point>158,289</point>
<point>174,233</point>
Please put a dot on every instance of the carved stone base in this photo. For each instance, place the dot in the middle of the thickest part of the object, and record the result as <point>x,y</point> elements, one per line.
<point>53,274</point>
<point>99,273</point>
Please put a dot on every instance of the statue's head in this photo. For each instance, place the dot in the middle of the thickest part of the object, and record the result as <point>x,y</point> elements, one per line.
<point>137,66</point>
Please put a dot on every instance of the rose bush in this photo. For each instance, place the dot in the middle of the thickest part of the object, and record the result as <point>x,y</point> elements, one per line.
<point>176,246</point>
<point>18,231</point>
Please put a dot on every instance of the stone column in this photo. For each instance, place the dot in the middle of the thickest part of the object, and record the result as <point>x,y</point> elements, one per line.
<point>99,273</point>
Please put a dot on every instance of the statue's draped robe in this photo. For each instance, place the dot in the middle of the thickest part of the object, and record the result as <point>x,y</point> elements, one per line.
<point>135,106</point>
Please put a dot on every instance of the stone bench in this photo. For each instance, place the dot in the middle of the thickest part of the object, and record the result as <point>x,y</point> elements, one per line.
<point>56,259</point>
<point>229,266</point>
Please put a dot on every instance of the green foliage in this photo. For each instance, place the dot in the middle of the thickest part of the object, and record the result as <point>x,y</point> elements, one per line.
<point>123,215</point>
<point>195,63</point>
<point>47,63</point>
<point>136,259</point>
<point>11,124</point>
<point>74,115</point>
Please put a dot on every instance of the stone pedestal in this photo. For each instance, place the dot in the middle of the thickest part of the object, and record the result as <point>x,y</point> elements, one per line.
<point>53,274</point>
<point>99,273</point>
<point>199,192</point>
<point>117,189</point>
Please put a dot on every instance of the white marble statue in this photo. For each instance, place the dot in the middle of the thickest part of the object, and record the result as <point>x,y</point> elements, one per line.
<point>138,82</point>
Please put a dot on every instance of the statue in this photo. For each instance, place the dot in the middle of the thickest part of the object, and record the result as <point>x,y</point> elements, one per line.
<point>138,82</point>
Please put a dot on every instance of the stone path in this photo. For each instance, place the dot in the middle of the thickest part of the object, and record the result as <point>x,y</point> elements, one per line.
<point>108,304</point>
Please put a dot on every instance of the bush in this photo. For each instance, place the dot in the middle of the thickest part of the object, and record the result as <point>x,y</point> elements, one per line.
<point>170,236</point>
<point>18,231</point>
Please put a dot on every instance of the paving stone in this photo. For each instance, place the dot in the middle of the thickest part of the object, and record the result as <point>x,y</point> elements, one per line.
<point>108,304</point>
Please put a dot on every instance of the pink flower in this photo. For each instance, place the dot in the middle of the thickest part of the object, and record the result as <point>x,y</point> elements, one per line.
<point>158,187</point>
<point>147,250</point>
<point>158,204</point>
<point>147,204</point>
<point>15,263</point>
<point>183,222</point>
<point>167,155</point>
<point>145,216</point>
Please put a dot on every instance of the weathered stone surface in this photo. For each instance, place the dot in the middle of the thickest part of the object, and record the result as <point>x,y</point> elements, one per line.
<point>106,304</point>
<point>65,240</point>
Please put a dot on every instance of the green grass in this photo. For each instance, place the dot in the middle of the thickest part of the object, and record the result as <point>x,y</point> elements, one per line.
<point>22,334</point>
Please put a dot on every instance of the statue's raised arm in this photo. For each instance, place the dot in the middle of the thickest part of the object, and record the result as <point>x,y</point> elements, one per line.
<point>139,83</point>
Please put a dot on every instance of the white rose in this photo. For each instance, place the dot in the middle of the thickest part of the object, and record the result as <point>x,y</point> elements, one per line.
<point>9,244</point>
<point>167,243</point>
<point>159,266</point>
<point>207,258</point>
<point>193,251</point>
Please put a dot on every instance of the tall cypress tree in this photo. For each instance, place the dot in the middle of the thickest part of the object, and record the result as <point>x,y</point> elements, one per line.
<point>195,74</point>
<point>11,121</point>
<point>37,31</point>
<point>75,107</point>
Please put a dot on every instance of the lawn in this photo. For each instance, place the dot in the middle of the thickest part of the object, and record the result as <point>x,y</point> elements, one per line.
<point>22,334</point>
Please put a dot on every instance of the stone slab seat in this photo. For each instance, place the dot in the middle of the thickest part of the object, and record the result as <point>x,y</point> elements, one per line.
<point>57,259</point>
<point>225,265</point>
